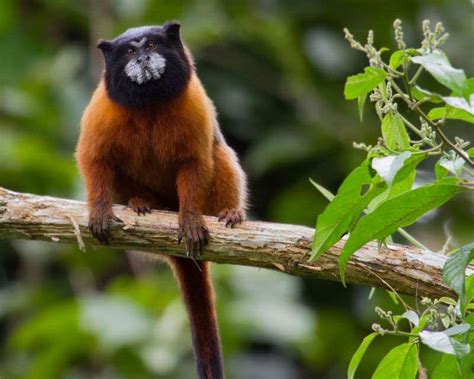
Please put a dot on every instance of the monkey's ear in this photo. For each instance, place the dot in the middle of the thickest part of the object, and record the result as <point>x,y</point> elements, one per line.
<point>172,28</point>
<point>104,45</point>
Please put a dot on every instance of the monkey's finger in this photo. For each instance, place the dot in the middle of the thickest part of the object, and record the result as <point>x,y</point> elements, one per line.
<point>204,236</point>
<point>104,233</point>
<point>189,247</point>
<point>222,215</point>
<point>201,239</point>
<point>99,234</point>
<point>196,241</point>
<point>116,219</point>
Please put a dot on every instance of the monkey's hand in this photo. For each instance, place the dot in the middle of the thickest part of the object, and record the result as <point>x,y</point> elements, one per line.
<point>140,206</point>
<point>193,230</point>
<point>231,217</point>
<point>99,221</point>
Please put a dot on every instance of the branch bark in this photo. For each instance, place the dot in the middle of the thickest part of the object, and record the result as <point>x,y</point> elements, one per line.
<point>281,247</point>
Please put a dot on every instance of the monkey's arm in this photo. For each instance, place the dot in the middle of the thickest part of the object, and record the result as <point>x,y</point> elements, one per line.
<point>95,163</point>
<point>192,184</point>
<point>98,178</point>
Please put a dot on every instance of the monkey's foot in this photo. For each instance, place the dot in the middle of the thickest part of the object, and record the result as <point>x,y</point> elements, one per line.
<point>99,222</point>
<point>193,230</point>
<point>140,206</point>
<point>231,217</point>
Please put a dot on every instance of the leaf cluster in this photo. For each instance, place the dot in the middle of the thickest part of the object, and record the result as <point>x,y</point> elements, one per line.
<point>380,198</point>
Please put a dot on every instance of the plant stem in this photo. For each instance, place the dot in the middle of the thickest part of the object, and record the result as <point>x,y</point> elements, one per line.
<point>406,81</point>
<point>412,127</point>
<point>468,171</point>
<point>402,334</point>
<point>434,125</point>
<point>416,76</point>
<point>412,239</point>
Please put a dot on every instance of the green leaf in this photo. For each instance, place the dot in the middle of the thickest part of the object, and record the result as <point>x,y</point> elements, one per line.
<point>412,316</point>
<point>344,209</point>
<point>361,84</point>
<point>394,132</point>
<point>437,64</point>
<point>324,191</point>
<point>447,368</point>
<point>393,297</point>
<point>420,93</point>
<point>454,166</point>
<point>440,171</point>
<point>358,355</point>
<point>447,300</point>
<point>468,88</point>
<point>400,363</point>
<point>402,182</point>
<point>399,211</point>
<point>405,178</point>
<point>457,329</point>
<point>360,103</point>
<point>450,113</point>
<point>469,288</point>
<point>388,167</point>
<point>461,103</point>
<point>440,341</point>
<point>396,59</point>
<point>399,56</point>
<point>454,271</point>
<point>421,325</point>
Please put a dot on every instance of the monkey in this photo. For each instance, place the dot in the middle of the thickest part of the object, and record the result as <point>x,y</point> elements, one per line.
<point>150,139</point>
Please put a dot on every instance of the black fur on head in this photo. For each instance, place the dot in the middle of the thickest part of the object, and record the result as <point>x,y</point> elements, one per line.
<point>146,65</point>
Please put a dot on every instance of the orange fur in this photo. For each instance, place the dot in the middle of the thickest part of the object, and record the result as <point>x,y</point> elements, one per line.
<point>171,157</point>
<point>124,153</point>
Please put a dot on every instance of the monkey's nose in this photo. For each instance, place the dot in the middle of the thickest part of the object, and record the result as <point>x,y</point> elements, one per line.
<point>139,60</point>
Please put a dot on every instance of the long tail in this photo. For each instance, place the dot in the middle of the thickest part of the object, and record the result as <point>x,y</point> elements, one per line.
<point>198,296</point>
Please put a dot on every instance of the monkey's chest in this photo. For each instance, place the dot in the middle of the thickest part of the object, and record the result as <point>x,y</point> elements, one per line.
<point>146,157</point>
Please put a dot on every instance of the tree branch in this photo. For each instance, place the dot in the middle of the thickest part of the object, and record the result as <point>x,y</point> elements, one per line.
<point>280,247</point>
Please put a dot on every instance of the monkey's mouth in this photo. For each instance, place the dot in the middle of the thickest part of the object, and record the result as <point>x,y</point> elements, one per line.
<point>142,71</point>
<point>148,74</point>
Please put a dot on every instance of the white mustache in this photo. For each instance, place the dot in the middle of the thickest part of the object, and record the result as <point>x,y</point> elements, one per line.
<point>141,72</point>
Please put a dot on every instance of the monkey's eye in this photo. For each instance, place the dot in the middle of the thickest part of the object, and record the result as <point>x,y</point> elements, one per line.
<point>150,45</point>
<point>131,51</point>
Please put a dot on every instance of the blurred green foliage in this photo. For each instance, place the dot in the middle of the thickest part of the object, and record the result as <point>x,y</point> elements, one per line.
<point>275,70</point>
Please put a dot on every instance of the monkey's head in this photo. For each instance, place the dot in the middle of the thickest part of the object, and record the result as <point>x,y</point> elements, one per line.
<point>146,65</point>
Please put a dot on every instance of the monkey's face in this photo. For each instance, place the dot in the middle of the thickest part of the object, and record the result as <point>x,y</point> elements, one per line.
<point>144,62</point>
<point>146,65</point>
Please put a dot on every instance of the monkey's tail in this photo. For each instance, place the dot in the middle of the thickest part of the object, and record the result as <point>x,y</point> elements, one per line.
<point>198,296</point>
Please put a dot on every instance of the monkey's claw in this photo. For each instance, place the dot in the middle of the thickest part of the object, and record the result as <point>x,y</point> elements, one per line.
<point>231,217</point>
<point>99,226</point>
<point>194,232</point>
<point>140,206</point>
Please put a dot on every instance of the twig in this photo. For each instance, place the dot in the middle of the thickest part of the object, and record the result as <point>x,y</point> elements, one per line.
<point>77,233</point>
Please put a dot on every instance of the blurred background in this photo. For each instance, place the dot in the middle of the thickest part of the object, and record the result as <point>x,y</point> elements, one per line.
<point>276,71</point>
